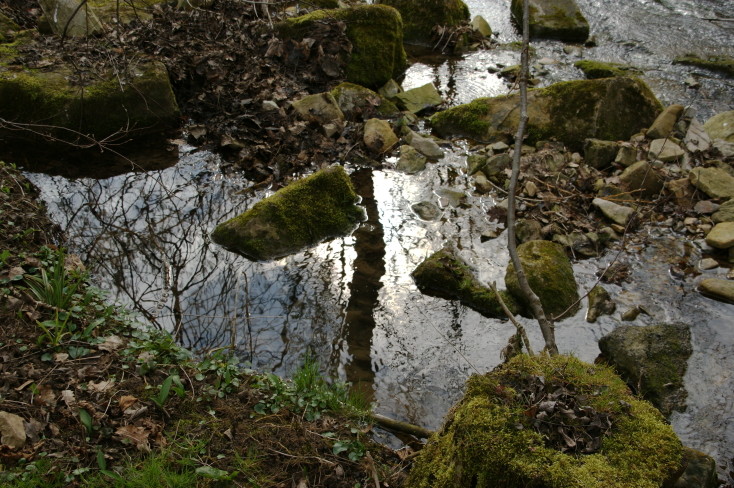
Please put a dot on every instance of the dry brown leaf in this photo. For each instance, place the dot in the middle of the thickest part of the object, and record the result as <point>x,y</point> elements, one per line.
<point>45,395</point>
<point>126,401</point>
<point>111,343</point>
<point>68,397</point>
<point>137,435</point>
<point>33,429</point>
<point>102,386</point>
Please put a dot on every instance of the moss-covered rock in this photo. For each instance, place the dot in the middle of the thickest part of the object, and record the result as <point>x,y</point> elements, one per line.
<point>553,19</point>
<point>7,28</point>
<point>77,18</point>
<point>652,358</point>
<point>598,69</point>
<point>421,16</point>
<point>492,437</point>
<point>720,64</point>
<point>142,105</point>
<point>304,213</point>
<point>376,34</point>
<point>609,108</point>
<point>445,275</point>
<point>721,126</point>
<point>550,276</point>
<point>358,102</point>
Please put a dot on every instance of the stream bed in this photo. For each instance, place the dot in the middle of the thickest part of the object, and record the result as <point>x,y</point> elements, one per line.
<point>352,303</point>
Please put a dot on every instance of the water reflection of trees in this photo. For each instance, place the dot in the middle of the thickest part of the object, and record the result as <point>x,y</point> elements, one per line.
<point>146,239</point>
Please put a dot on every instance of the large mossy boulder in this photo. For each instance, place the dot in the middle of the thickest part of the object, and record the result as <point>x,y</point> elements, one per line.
<point>134,103</point>
<point>446,275</point>
<point>652,358</point>
<point>553,19</point>
<point>376,34</point>
<point>421,16</point>
<point>550,276</point>
<point>549,422</point>
<point>304,213</point>
<point>611,109</point>
<point>78,18</point>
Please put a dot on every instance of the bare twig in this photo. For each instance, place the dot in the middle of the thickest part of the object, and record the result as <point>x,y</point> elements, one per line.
<point>518,325</point>
<point>546,325</point>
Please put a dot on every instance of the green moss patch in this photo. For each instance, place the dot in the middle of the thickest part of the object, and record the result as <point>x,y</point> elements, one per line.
<point>376,34</point>
<point>445,275</point>
<point>302,214</point>
<point>493,436</point>
<point>719,64</point>
<point>598,69</point>
<point>420,17</point>
<point>550,276</point>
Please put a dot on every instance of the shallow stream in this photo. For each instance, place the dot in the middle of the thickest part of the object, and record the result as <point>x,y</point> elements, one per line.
<point>352,302</point>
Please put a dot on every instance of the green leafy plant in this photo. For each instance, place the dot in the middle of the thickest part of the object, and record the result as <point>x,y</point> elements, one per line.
<point>54,330</point>
<point>55,288</point>
<point>173,382</point>
<point>227,374</point>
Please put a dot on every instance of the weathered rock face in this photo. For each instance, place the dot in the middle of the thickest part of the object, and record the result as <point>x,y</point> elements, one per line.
<point>600,154</point>
<point>77,18</point>
<point>143,104</point>
<point>379,136</point>
<point>321,108</point>
<point>304,213</point>
<point>553,19</point>
<point>721,126</point>
<point>550,276</point>
<point>445,275</point>
<point>652,358</point>
<point>700,471</point>
<point>419,99</point>
<point>725,213</point>
<point>376,34</point>
<point>495,437</point>
<point>714,182</point>
<point>609,108</point>
<point>410,160</point>
<point>7,28</point>
<point>664,124</point>
<point>641,179</point>
<point>718,289</point>
<point>420,16</point>
<point>359,103</point>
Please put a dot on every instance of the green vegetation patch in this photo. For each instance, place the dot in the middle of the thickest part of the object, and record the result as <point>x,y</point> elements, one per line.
<point>304,213</point>
<point>493,436</point>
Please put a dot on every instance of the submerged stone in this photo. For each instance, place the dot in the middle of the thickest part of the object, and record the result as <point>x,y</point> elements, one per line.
<point>597,69</point>
<point>446,275</point>
<point>653,358</point>
<point>418,99</point>
<point>610,109</point>
<point>498,434</point>
<point>421,16</point>
<point>600,303</point>
<point>718,289</point>
<point>304,213</point>
<point>376,34</point>
<point>720,64</point>
<point>550,276</point>
<point>410,160</point>
<point>553,19</point>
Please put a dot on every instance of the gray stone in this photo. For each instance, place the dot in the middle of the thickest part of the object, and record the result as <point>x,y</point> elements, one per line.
<point>497,164</point>
<point>718,289</point>
<point>664,123</point>
<point>452,198</point>
<point>12,430</point>
<point>480,25</point>
<point>600,303</point>
<point>304,213</point>
<point>499,147</point>
<point>706,207</point>
<point>725,213</point>
<point>580,244</point>
<point>379,136</point>
<point>665,150</point>
<point>707,263</point>
<point>390,89</point>
<point>618,214</point>
<point>425,145</point>
<point>640,179</point>
<point>475,163</point>
<point>358,102</point>
<point>721,126</point>
<point>724,148</point>
<point>419,99</point>
<point>426,210</point>
<point>410,160</point>
<point>599,154</point>
<point>482,184</point>
<point>626,155</point>
<point>697,139</point>
<point>652,359</point>
<point>527,230</point>
<point>320,108</point>
<point>553,19</point>
<point>721,236</point>
<point>714,182</point>
<point>699,471</point>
